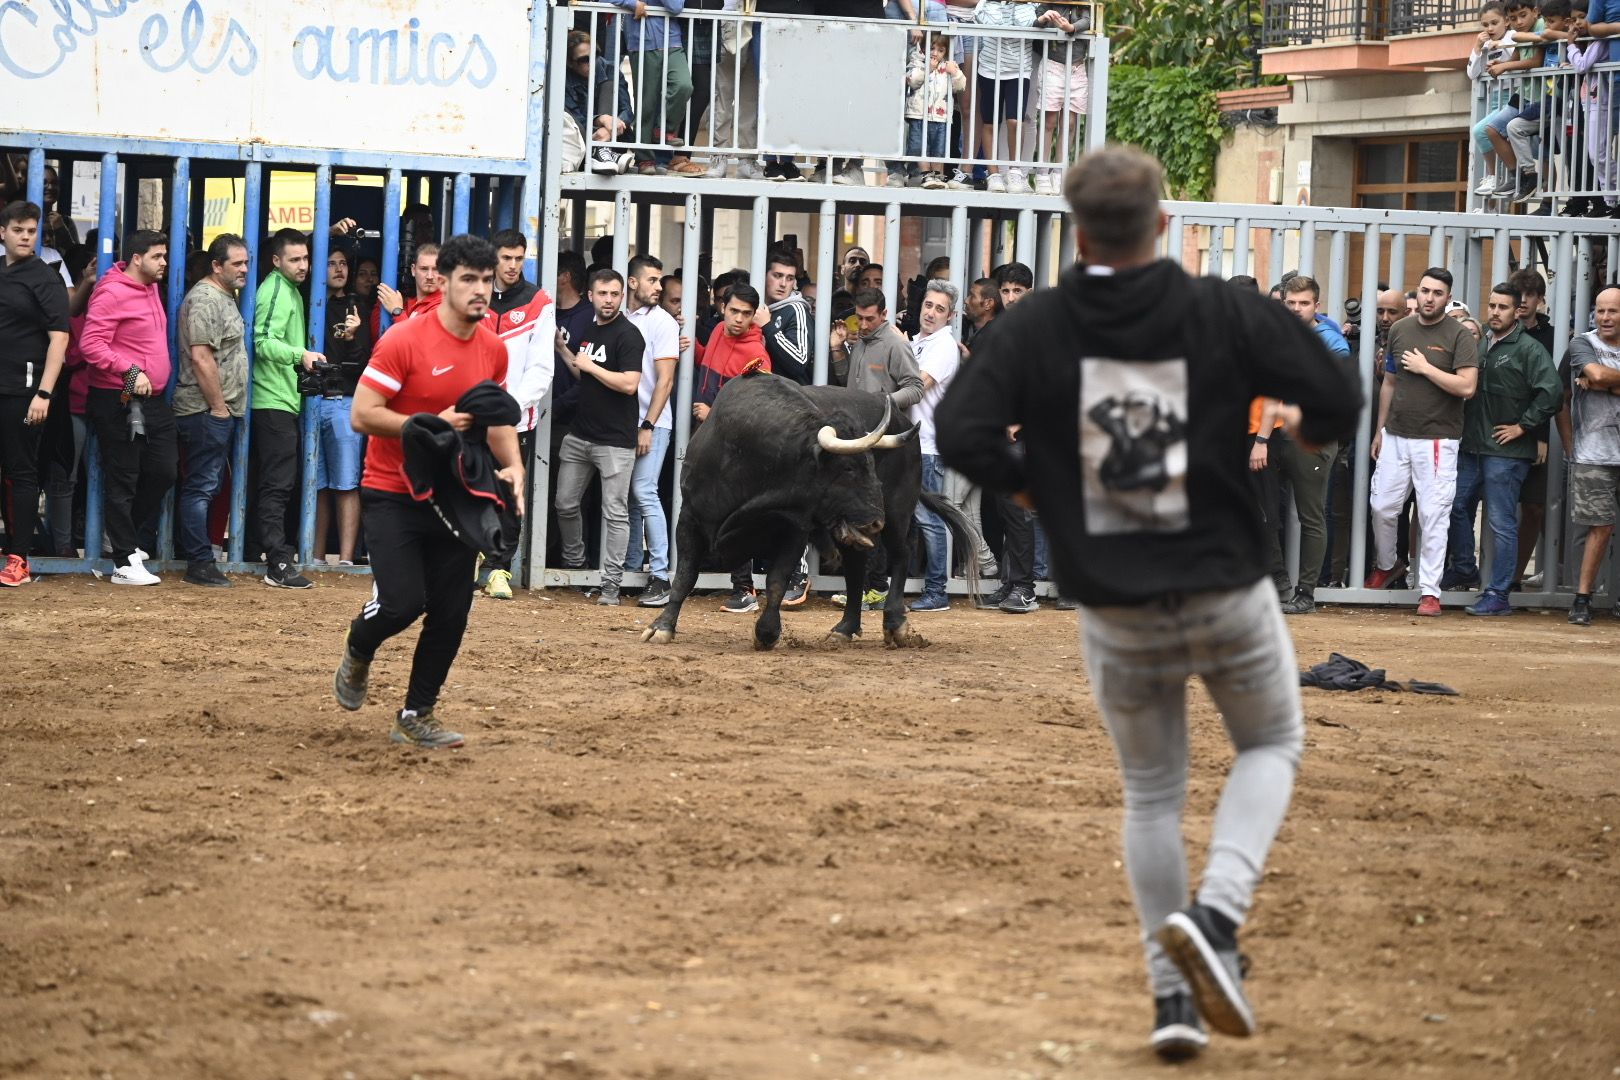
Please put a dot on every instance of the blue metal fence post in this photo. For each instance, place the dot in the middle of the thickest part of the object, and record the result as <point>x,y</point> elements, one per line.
<point>320,248</point>
<point>389,270</point>
<point>506,204</point>
<point>461,205</point>
<point>179,221</point>
<point>106,235</point>
<point>252,228</point>
<point>36,182</point>
<point>480,221</point>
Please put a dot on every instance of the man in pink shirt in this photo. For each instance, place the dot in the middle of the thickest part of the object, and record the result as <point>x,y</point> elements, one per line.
<point>126,349</point>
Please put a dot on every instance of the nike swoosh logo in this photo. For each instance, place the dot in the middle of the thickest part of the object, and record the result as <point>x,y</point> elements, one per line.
<point>442,370</point>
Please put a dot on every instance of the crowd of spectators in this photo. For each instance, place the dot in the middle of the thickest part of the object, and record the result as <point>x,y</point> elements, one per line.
<point>641,88</point>
<point>1462,421</point>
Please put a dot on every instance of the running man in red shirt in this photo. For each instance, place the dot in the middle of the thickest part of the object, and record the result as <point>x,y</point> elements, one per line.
<point>423,365</point>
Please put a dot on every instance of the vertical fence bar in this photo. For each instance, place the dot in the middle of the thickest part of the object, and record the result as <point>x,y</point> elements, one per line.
<point>691,251</point>
<point>389,270</point>
<point>960,268</point>
<point>976,242</point>
<point>1279,256</point>
<point>319,250</point>
<point>252,229</point>
<point>1338,276</point>
<point>1097,120</point>
<point>1024,239</point>
<point>759,242</point>
<point>36,183</point>
<point>107,239</point>
<point>1501,249</point>
<point>461,205</point>
<point>1242,237</point>
<point>1361,457</point>
<point>1397,263</point>
<point>1437,246</point>
<point>622,209</point>
<point>1175,240</point>
<point>826,256</point>
<point>1307,249</point>
<point>891,253</point>
<point>179,218</point>
<point>1217,251</point>
<point>1560,295</point>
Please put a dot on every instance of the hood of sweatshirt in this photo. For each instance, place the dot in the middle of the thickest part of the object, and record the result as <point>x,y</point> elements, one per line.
<point>730,356</point>
<point>130,319</point>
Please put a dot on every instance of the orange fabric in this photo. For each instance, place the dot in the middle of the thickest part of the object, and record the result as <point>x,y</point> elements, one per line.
<point>1256,407</point>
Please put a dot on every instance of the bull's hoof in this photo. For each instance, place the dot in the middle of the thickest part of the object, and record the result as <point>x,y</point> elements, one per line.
<point>761,645</point>
<point>904,637</point>
<point>837,639</point>
<point>657,635</point>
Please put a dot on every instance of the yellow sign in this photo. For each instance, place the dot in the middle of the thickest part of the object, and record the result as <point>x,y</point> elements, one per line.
<point>290,202</point>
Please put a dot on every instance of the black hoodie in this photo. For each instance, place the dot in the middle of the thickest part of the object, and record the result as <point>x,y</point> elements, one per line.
<point>1133,390</point>
<point>33,303</point>
<point>454,472</point>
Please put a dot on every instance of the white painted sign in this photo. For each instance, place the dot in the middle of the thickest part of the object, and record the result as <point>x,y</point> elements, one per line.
<point>432,77</point>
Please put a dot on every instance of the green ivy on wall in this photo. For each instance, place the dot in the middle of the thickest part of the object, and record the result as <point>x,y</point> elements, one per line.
<point>1171,113</point>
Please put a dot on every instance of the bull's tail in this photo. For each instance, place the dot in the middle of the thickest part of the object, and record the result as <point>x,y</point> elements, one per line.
<point>963,532</point>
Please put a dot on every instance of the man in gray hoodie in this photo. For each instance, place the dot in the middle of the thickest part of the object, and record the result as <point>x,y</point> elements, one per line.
<point>880,361</point>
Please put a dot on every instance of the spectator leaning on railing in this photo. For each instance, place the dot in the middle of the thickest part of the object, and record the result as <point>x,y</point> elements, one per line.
<point>1003,69</point>
<point>1064,87</point>
<point>1537,97</point>
<point>1596,91</point>
<point>657,50</point>
<point>1492,57</point>
<point>593,82</point>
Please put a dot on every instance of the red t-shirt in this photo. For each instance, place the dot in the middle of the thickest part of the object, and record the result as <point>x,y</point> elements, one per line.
<point>420,367</point>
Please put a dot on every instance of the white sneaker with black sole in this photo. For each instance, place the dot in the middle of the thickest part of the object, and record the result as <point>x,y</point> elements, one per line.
<point>1211,967</point>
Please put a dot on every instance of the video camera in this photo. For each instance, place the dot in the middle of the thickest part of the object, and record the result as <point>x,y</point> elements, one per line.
<point>324,380</point>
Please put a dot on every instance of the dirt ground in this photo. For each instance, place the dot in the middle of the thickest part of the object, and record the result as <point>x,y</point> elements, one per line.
<point>702,862</point>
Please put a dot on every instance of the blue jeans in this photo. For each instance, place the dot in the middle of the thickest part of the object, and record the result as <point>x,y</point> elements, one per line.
<point>208,441</point>
<point>1498,479</point>
<point>647,511</point>
<point>1498,119</point>
<point>933,529</point>
<point>342,448</point>
<point>933,140</point>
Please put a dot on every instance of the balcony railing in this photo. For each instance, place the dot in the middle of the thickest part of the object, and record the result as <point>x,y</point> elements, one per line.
<point>1559,122</point>
<point>1422,16</point>
<point>840,97</point>
<point>1314,22</point>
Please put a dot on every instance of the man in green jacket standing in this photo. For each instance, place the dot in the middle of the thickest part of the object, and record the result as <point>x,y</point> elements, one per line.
<point>1518,389</point>
<point>280,337</point>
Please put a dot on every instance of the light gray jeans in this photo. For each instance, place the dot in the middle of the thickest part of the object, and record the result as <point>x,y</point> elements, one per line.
<point>965,496</point>
<point>577,460</point>
<point>1139,659</point>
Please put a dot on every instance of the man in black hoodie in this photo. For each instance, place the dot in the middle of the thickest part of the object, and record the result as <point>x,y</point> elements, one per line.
<point>1132,382</point>
<point>33,344</point>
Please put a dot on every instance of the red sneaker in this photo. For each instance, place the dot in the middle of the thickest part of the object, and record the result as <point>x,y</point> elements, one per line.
<point>15,572</point>
<point>1382,579</point>
<point>1429,605</point>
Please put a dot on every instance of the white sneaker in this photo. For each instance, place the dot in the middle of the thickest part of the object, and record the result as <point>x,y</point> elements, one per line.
<point>959,181</point>
<point>996,183</point>
<point>1487,186</point>
<point>852,176</point>
<point>1043,184</point>
<point>718,166</point>
<point>135,573</point>
<point>933,181</point>
<point>1017,182</point>
<point>748,169</point>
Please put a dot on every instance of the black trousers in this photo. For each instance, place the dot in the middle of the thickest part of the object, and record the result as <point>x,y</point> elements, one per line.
<point>136,473</point>
<point>511,524</point>
<point>1266,485</point>
<point>417,567</point>
<point>274,439</point>
<point>1017,544</point>
<point>19,474</point>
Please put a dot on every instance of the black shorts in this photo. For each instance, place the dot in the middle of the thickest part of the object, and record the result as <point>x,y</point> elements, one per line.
<point>1534,490</point>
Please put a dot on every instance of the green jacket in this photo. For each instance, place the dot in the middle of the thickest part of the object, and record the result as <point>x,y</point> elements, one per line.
<point>1518,384</point>
<point>280,336</point>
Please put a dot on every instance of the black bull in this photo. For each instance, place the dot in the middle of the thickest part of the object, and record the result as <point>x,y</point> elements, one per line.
<point>777,464</point>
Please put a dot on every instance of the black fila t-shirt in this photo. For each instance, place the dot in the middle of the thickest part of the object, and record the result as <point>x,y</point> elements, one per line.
<point>605,416</point>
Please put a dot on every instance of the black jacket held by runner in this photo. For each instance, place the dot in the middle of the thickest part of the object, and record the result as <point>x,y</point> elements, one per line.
<point>1134,390</point>
<point>454,471</point>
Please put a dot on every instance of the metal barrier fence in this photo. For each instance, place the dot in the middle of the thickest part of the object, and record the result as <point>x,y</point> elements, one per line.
<point>1562,119</point>
<point>1225,240</point>
<point>1309,22</point>
<point>832,92</point>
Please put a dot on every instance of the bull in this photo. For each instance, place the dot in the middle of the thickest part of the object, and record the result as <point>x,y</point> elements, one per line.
<point>777,464</point>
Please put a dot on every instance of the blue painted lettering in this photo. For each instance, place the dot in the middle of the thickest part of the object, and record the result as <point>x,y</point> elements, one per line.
<point>31,51</point>
<point>382,58</point>
<point>193,29</point>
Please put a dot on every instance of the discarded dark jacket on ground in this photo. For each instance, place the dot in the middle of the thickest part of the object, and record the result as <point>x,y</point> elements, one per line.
<point>454,471</point>
<point>1340,672</point>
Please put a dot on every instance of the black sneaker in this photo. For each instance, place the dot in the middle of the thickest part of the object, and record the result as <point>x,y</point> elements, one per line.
<point>791,173</point>
<point>656,594</point>
<point>773,170</point>
<point>993,600</point>
<point>1063,603</point>
<point>798,587</point>
<point>352,678</point>
<point>1576,207</point>
<point>205,573</point>
<point>284,575</point>
<point>1178,1034</point>
<point>1207,957</point>
<point>1527,186</point>
<point>1303,603</point>
<point>1020,601</point>
<point>741,602</point>
<point>1580,612</point>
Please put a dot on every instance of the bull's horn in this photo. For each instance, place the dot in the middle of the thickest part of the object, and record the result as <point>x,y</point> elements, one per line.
<point>895,442</point>
<point>829,441</point>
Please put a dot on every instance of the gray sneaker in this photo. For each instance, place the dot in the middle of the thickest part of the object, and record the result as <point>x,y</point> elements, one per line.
<point>1019,601</point>
<point>609,596</point>
<point>424,730</point>
<point>352,678</point>
<point>1209,961</point>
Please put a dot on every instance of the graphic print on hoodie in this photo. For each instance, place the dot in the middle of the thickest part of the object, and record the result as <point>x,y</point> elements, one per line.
<point>1133,445</point>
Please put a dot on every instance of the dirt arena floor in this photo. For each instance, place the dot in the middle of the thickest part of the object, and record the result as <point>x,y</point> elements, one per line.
<point>701,862</point>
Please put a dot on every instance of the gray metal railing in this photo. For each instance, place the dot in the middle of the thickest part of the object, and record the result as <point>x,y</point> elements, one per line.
<point>1422,16</point>
<point>1311,22</point>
